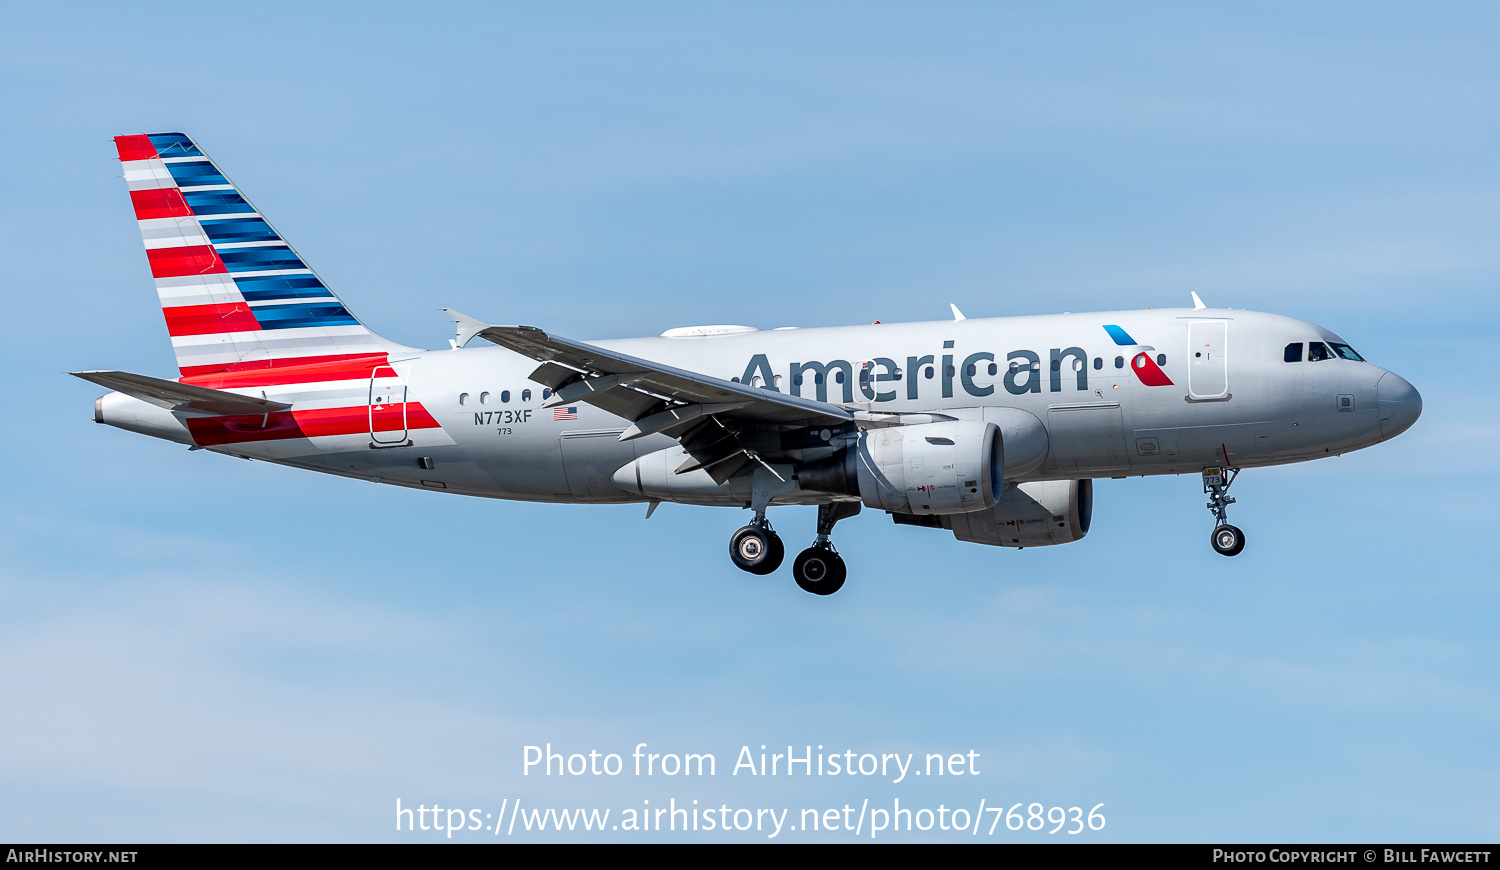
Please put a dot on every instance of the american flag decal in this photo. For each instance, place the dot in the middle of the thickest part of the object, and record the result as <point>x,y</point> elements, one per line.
<point>569,413</point>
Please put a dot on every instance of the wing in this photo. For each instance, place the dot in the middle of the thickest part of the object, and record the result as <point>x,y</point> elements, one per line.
<point>722,425</point>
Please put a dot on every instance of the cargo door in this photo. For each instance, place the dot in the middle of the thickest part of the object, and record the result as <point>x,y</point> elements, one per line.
<point>590,459</point>
<point>1087,438</point>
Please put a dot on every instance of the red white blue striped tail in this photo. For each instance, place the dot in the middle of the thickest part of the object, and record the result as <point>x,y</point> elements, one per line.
<point>241,306</point>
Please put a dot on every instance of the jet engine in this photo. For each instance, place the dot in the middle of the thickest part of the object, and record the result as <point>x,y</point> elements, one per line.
<point>1035,514</point>
<point>927,469</point>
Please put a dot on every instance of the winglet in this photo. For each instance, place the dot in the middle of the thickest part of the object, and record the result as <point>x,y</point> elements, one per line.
<point>1197,303</point>
<point>468,327</point>
<point>957,315</point>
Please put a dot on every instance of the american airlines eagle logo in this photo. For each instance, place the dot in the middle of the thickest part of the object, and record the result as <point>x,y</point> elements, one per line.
<point>1145,368</point>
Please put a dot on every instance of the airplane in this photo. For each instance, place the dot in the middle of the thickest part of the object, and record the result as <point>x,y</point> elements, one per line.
<point>990,428</point>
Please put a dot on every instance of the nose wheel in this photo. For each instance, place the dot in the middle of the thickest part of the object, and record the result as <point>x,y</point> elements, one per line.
<point>1227,540</point>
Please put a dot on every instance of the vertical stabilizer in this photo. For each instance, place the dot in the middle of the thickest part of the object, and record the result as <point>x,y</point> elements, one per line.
<point>237,298</point>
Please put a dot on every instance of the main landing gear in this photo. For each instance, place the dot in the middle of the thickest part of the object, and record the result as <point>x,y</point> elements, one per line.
<point>819,569</point>
<point>1227,540</point>
<point>757,548</point>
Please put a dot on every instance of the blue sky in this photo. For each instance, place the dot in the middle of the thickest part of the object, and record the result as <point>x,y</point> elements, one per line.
<point>199,648</point>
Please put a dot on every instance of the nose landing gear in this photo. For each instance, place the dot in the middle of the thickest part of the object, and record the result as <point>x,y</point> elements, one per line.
<point>1227,540</point>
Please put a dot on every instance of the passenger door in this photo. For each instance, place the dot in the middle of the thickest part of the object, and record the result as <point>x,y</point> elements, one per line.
<point>388,406</point>
<point>1208,359</point>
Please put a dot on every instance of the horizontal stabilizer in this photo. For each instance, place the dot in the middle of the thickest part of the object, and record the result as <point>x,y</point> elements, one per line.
<point>181,397</point>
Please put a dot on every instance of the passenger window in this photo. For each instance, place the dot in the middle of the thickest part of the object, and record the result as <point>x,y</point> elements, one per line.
<point>505,396</point>
<point>546,394</point>
<point>1346,352</point>
<point>463,398</point>
<point>947,371</point>
<point>838,377</point>
<point>484,397</point>
<point>1119,362</point>
<point>927,373</point>
<point>1293,352</point>
<point>994,369</point>
<point>525,395</point>
<point>1098,363</point>
<point>1161,359</point>
<point>1317,351</point>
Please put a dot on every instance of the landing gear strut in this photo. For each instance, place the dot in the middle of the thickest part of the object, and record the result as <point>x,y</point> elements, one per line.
<point>1227,540</point>
<point>757,548</point>
<point>819,569</point>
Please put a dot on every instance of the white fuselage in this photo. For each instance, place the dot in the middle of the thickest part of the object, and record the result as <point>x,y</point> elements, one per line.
<point>1214,389</point>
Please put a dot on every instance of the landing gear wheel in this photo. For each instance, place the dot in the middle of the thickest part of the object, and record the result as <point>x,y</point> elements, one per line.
<point>819,570</point>
<point>757,550</point>
<point>776,557</point>
<point>1227,540</point>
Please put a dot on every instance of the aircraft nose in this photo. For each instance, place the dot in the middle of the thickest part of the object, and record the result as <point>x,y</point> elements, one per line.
<point>1399,402</point>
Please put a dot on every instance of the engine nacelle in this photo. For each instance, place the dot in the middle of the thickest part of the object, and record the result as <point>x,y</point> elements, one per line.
<point>925,469</point>
<point>1036,514</point>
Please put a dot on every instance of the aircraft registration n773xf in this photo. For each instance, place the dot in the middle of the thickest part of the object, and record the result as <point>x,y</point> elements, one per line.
<point>989,428</point>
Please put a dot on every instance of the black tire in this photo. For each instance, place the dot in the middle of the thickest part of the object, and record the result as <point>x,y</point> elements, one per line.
<point>820,571</point>
<point>1227,540</point>
<point>756,550</point>
<point>774,559</point>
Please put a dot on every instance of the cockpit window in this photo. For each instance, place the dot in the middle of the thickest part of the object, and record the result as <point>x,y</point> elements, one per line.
<point>1345,351</point>
<point>1317,351</point>
<point>1293,352</point>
